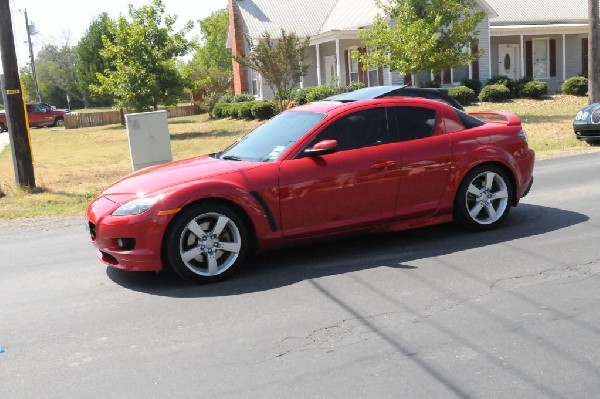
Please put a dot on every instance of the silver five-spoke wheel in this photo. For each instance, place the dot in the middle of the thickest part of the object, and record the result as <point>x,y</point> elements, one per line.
<point>484,198</point>
<point>210,244</point>
<point>205,242</point>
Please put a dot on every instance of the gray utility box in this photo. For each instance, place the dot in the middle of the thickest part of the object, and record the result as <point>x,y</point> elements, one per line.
<point>149,140</point>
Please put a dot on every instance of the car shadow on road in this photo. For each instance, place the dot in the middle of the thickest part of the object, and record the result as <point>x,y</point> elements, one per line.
<point>394,250</point>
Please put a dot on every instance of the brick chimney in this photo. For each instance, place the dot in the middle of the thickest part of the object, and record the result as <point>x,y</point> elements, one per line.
<point>238,45</point>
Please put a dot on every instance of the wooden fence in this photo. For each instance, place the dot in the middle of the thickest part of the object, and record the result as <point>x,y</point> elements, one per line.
<point>76,120</point>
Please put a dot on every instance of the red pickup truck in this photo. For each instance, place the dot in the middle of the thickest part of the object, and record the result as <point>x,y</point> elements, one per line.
<point>39,114</point>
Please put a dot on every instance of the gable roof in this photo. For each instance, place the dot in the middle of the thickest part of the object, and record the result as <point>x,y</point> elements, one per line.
<point>312,17</point>
<point>304,17</point>
<point>534,12</point>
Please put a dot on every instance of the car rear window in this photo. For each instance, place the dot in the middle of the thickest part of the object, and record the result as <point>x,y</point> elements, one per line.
<point>469,121</point>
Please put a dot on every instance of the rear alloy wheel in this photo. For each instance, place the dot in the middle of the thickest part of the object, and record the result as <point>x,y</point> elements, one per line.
<point>59,122</point>
<point>483,199</point>
<point>207,242</point>
<point>2,128</point>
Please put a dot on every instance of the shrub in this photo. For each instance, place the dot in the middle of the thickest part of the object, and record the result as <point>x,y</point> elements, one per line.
<point>218,110</point>
<point>506,81</point>
<point>226,98</point>
<point>576,86</point>
<point>520,85</point>
<point>263,109</point>
<point>245,110</point>
<point>535,89</point>
<point>232,110</point>
<point>319,92</point>
<point>355,86</point>
<point>473,84</point>
<point>462,94</point>
<point>242,98</point>
<point>494,93</point>
<point>299,96</point>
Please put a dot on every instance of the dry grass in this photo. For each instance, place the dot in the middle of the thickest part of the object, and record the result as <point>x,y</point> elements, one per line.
<point>72,166</point>
<point>548,123</point>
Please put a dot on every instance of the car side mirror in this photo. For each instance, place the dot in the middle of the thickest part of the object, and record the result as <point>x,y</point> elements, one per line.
<point>322,148</point>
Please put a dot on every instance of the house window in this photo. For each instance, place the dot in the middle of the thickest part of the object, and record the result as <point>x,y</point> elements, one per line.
<point>541,57</point>
<point>254,83</point>
<point>352,66</point>
<point>373,77</point>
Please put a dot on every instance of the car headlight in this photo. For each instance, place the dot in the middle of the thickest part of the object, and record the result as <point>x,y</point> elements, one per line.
<point>135,207</point>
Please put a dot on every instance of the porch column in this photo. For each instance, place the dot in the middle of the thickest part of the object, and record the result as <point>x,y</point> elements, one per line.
<point>318,65</point>
<point>522,57</point>
<point>338,69</point>
<point>564,57</point>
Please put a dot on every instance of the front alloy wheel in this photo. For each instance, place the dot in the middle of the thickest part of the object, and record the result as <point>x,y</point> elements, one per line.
<point>206,243</point>
<point>484,198</point>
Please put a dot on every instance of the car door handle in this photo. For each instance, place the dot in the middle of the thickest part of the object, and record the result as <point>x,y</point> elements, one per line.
<point>383,165</point>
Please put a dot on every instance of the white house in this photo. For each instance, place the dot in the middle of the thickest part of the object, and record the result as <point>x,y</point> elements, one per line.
<point>544,39</point>
<point>538,38</point>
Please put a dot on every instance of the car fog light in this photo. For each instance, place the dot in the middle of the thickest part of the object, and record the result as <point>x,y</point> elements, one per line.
<point>126,243</point>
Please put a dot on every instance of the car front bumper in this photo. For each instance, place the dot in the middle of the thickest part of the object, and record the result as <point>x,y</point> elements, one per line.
<point>141,233</point>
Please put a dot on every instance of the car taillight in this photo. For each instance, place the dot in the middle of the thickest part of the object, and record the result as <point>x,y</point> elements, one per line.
<point>522,135</point>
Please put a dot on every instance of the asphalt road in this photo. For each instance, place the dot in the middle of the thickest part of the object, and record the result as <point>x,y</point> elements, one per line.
<point>429,313</point>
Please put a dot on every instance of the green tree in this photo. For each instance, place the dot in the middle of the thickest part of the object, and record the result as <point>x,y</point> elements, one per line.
<point>213,53</point>
<point>281,62</point>
<point>88,62</point>
<point>142,58</point>
<point>211,67</point>
<point>55,67</point>
<point>421,35</point>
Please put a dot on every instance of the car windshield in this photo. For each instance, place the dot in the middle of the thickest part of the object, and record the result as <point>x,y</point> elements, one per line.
<point>268,141</point>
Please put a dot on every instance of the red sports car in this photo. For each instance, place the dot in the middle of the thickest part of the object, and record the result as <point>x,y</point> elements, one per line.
<point>320,170</point>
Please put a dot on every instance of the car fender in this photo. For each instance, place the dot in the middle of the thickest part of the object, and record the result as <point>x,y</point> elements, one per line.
<point>260,206</point>
<point>479,156</point>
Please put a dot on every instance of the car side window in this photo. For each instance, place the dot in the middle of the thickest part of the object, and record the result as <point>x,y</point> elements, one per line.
<point>360,129</point>
<point>414,122</point>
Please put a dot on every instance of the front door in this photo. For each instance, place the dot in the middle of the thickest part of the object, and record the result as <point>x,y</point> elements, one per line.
<point>508,59</point>
<point>330,69</point>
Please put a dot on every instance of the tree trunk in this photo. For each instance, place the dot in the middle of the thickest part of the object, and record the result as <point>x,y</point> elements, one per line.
<point>594,53</point>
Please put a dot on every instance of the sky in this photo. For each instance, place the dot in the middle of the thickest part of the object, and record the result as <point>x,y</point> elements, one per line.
<point>59,21</point>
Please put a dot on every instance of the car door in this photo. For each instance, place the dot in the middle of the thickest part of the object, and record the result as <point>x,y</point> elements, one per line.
<point>354,187</point>
<point>426,159</point>
<point>37,115</point>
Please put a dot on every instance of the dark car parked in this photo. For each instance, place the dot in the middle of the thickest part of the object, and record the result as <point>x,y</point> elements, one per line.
<point>587,124</point>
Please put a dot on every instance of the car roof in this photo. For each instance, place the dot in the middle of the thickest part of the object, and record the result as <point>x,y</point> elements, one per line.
<point>396,91</point>
<point>326,106</point>
<point>366,93</point>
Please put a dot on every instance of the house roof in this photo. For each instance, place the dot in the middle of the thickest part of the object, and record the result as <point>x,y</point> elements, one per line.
<point>305,17</point>
<point>312,17</point>
<point>534,12</point>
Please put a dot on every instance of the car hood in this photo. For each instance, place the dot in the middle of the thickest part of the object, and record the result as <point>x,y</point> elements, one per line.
<point>156,179</point>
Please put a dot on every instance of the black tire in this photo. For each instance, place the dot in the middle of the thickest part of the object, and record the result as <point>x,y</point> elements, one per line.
<point>59,122</point>
<point>483,199</point>
<point>215,234</point>
<point>3,128</point>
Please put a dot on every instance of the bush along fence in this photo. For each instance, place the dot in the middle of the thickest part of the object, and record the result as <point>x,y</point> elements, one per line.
<point>76,120</point>
<point>497,89</point>
<point>243,106</point>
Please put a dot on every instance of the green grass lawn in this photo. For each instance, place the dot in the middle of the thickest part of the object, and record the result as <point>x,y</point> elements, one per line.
<point>72,166</point>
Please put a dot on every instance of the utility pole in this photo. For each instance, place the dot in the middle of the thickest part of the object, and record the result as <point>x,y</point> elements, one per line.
<point>594,53</point>
<point>15,107</point>
<point>31,31</point>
